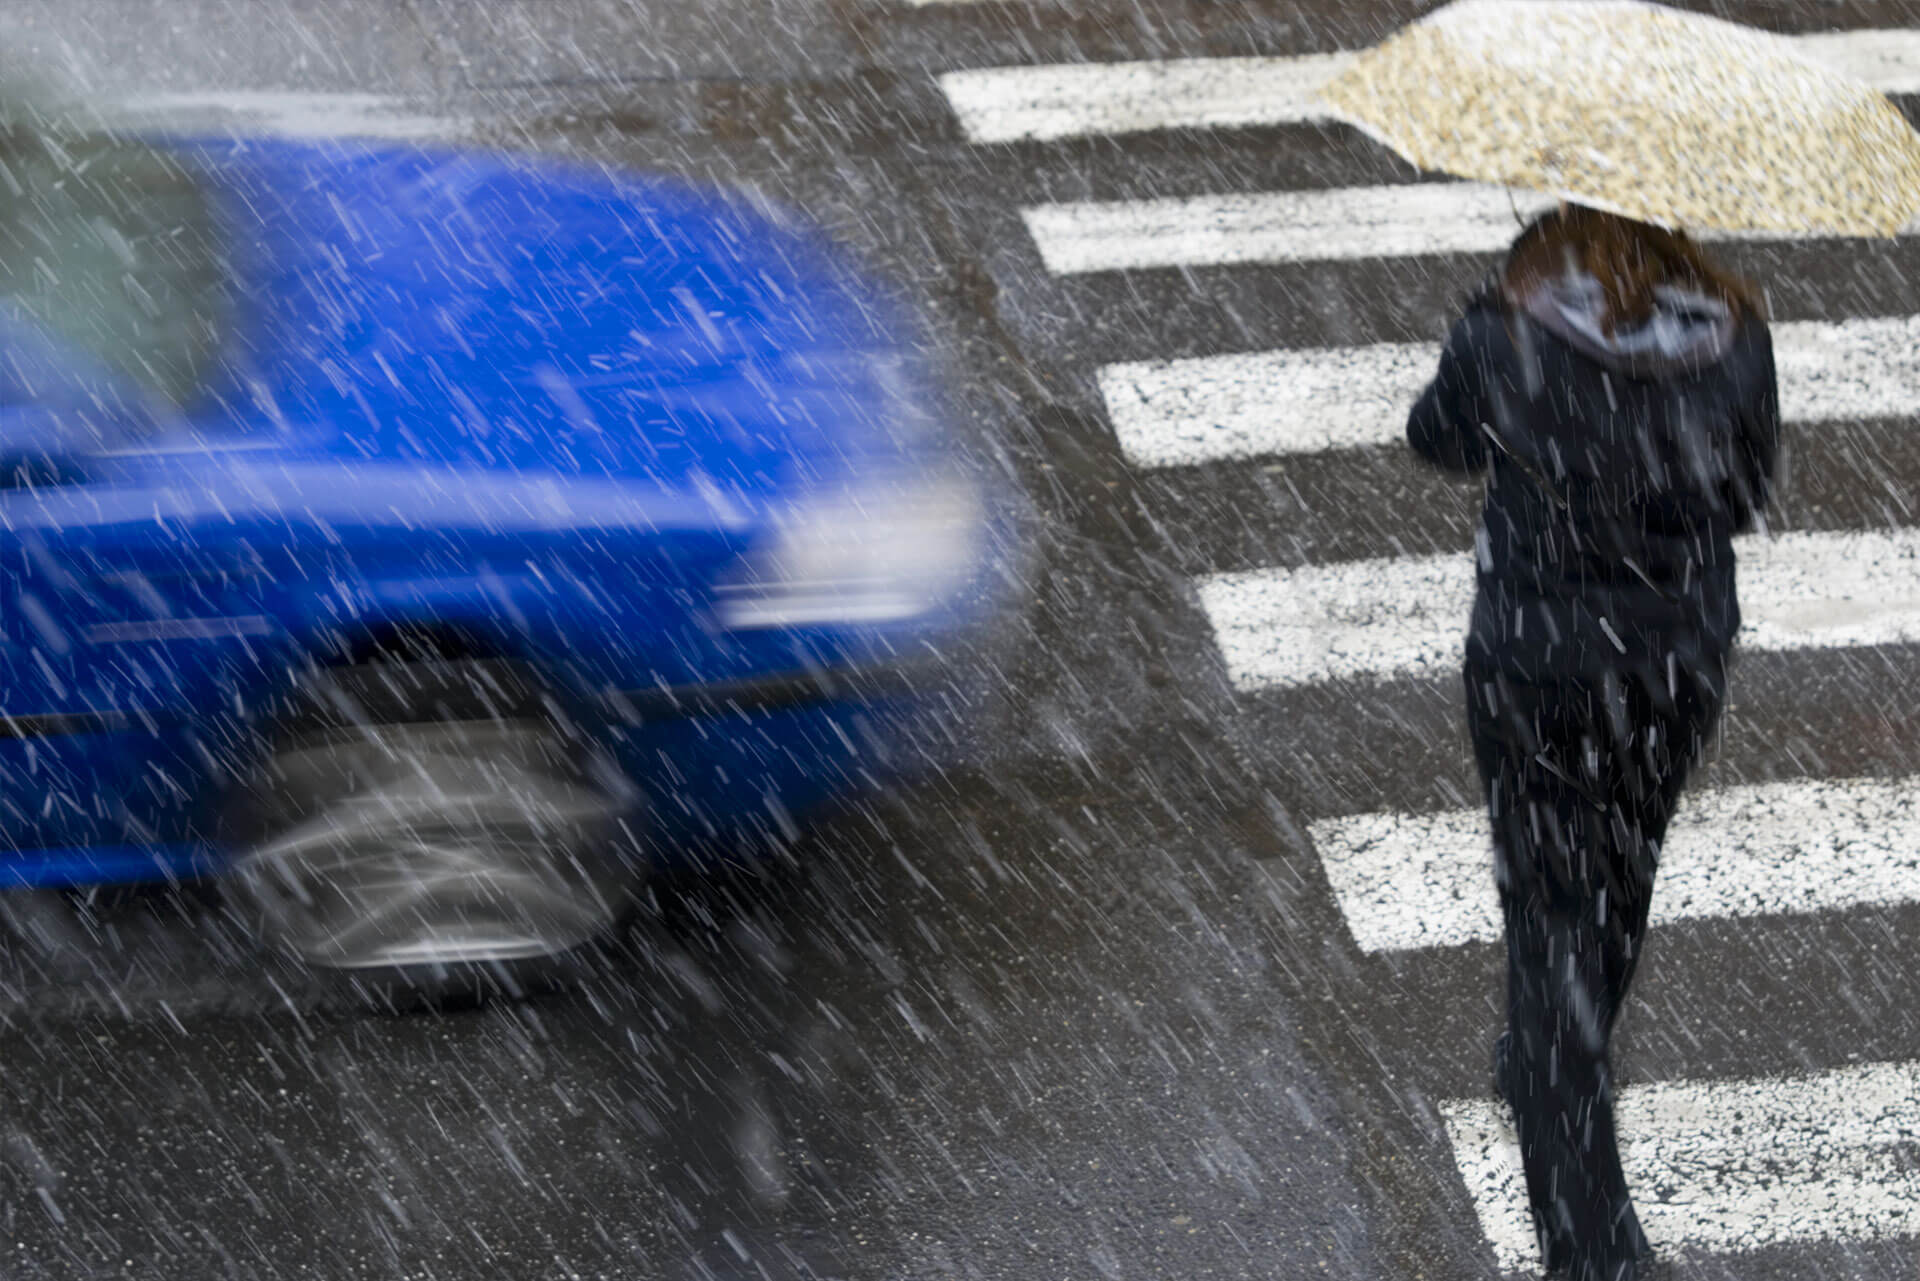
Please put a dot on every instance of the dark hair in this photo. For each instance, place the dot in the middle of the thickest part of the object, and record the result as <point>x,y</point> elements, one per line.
<point>1628,259</point>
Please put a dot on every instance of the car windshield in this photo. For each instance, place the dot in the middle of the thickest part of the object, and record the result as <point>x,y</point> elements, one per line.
<point>109,246</point>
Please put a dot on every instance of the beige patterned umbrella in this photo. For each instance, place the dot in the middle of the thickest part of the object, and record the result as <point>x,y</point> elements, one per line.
<point>1665,116</point>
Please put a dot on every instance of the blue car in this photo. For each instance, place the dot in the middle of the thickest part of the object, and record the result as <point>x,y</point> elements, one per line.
<point>429,544</point>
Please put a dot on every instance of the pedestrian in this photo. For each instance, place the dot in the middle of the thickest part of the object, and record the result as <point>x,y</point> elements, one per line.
<point>1616,388</point>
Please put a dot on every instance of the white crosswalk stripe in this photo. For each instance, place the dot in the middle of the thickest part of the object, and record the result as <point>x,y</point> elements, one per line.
<point>1278,226</point>
<point>1406,881</point>
<point>1245,228</point>
<point>1170,413</point>
<point>1012,104</point>
<point>1049,102</point>
<point>1730,1165</point>
<point>1406,616</point>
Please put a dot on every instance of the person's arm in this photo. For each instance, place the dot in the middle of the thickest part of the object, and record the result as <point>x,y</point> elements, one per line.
<point>1757,421</point>
<point>1445,427</point>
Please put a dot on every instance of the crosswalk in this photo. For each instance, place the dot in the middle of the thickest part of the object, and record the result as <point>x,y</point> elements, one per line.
<point>1403,616</point>
<point>1734,1165</point>
<point>1411,881</point>
<point>1726,1163</point>
<point>1040,103</point>
<point>1175,413</point>
<point>1287,226</point>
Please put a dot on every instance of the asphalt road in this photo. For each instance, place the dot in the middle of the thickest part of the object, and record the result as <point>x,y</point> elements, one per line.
<point>1094,1010</point>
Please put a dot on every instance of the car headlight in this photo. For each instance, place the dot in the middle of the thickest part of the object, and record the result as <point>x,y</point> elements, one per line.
<point>877,554</point>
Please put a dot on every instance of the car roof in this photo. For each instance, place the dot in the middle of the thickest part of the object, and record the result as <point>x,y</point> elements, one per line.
<point>513,310</point>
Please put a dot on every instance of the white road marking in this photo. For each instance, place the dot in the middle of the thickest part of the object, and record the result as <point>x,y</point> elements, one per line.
<point>1407,881</point>
<point>1729,1166</point>
<point>1067,100</point>
<point>289,114</point>
<point>1279,226</point>
<point>1075,99</point>
<point>1407,616</point>
<point>1235,229</point>
<point>1174,413</point>
<point>1398,616</point>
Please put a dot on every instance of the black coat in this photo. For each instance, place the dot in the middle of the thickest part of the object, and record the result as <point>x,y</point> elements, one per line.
<point>1619,468</point>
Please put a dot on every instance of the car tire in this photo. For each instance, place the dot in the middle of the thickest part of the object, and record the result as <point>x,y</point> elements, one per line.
<point>431,833</point>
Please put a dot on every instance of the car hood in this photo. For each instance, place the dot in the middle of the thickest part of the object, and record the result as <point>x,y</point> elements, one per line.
<point>480,312</point>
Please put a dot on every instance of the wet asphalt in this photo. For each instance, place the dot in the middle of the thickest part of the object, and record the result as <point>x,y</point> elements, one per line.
<point>1087,1010</point>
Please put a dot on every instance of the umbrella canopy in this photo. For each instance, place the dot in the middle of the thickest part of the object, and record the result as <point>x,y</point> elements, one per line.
<point>1669,117</point>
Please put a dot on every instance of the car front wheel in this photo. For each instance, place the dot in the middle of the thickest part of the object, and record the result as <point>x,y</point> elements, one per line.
<point>432,827</point>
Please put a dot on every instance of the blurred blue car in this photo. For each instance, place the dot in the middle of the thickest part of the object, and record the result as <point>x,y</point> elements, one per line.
<point>428,543</point>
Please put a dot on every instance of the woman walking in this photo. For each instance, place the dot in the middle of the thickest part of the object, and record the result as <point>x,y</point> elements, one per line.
<point>1617,389</point>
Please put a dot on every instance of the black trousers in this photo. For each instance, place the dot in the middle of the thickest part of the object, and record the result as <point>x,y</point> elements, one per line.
<point>1581,778</point>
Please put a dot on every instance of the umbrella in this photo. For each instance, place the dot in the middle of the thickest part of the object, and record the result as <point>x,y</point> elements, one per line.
<point>1669,117</point>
